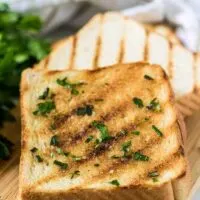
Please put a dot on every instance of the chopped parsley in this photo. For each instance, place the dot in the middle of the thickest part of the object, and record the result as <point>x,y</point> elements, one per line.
<point>115,157</point>
<point>34,149</point>
<point>52,127</point>
<point>155,179</point>
<point>158,132</point>
<point>39,158</point>
<point>61,164</point>
<point>45,94</point>
<point>89,139</point>
<point>126,147</point>
<point>103,130</point>
<point>115,182</point>
<point>44,108</point>
<point>96,164</point>
<point>154,105</point>
<point>61,152</point>
<point>76,158</point>
<point>138,102</point>
<point>54,140</point>
<point>86,110</point>
<point>148,77</point>
<point>123,132</point>
<point>135,132</point>
<point>153,174</point>
<point>68,85</point>
<point>75,174</point>
<point>138,156</point>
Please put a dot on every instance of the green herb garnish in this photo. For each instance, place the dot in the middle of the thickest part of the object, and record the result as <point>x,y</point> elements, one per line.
<point>54,140</point>
<point>123,132</point>
<point>115,157</point>
<point>52,127</point>
<point>45,94</point>
<point>89,139</point>
<point>155,179</point>
<point>148,77</point>
<point>138,102</point>
<point>44,108</point>
<point>68,85</point>
<point>75,174</point>
<point>86,110</point>
<point>126,147</point>
<point>158,132</point>
<point>61,164</point>
<point>115,182</point>
<point>139,156</point>
<point>18,40</point>
<point>135,132</point>
<point>39,158</point>
<point>153,174</point>
<point>103,130</point>
<point>76,158</point>
<point>154,105</point>
<point>34,149</point>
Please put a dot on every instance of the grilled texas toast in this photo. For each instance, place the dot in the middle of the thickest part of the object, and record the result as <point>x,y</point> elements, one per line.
<point>103,132</point>
<point>111,38</point>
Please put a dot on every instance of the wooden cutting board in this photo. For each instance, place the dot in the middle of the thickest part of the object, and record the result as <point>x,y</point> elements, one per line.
<point>9,169</point>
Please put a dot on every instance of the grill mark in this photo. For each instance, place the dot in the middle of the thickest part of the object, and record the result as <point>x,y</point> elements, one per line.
<point>121,49</point>
<point>88,129</point>
<point>92,155</point>
<point>120,163</point>
<point>146,49</point>
<point>73,52</point>
<point>98,45</point>
<point>170,62</point>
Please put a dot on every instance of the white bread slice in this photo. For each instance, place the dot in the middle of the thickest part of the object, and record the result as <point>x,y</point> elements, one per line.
<point>111,38</point>
<point>116,86</point>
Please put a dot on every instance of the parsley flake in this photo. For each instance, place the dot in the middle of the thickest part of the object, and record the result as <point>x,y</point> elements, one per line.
<point>89,139</point>
<point>138,102</point>
<point>39,158</point>
<point>68,85</point>
<point>135,132</point>
<point>153,174</point>
<point>61,164</point>
<point>154,105</point>
<point>158,132</point>
<point>54,140</point>
<point>148,77</point>
<point>139,156</point>
<point>103,130</point>
<point>34,149</point>
<point>75,174</point>
<point>44,108</point>
<point>76,158</point>
<point>115,182</point>
<point>86,110</point>
<point>126,147</point>
<point>45,94</point>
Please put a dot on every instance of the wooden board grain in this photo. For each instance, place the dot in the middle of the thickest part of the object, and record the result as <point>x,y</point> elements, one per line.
<point>9,169</point>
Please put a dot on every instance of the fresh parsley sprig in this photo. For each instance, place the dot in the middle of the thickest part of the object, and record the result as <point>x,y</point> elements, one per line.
<point>20,47</point>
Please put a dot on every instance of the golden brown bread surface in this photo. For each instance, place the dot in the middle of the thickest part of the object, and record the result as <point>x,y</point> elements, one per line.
<point>103,130</point>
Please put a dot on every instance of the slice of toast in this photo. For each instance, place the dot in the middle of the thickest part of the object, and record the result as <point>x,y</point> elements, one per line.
<point>111,38</point>
<point>98,134</point>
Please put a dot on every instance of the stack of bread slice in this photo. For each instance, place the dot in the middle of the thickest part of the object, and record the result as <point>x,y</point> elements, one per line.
<point>110,133</point>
